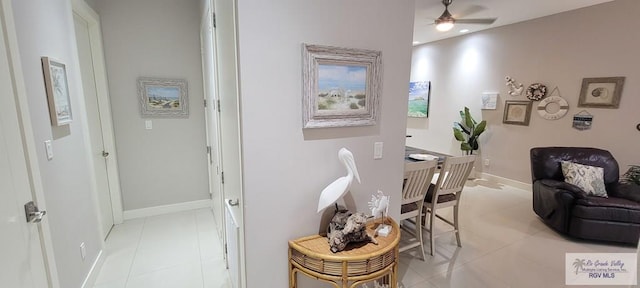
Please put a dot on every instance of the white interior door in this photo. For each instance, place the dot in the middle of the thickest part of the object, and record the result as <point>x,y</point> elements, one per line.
<point>21,260</point>
<point>98,150</point>
<point>207,38</point>
<point>226,61</point>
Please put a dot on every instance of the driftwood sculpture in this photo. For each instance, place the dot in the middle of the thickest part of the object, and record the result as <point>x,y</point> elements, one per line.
<point>345,228</point>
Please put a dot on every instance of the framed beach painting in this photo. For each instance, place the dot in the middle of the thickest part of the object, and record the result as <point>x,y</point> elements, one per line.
<point>341,86</point>
<point>419,93</point>
<point>602,92</point>
<point>163,98</point>
<point>57,88</point>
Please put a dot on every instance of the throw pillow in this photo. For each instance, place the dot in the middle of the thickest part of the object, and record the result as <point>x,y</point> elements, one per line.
<point>588,178</point>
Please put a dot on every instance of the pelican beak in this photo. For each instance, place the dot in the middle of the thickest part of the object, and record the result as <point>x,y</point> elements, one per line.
<point>351,165</point>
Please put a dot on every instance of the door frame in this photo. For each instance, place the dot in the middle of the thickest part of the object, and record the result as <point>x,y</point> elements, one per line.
<point>28,140</point>
<point>207,28</point>
<point>84,11</point>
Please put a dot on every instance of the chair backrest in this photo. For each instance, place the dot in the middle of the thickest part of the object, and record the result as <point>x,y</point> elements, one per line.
<point>417,176</point>
<point>453,175</point>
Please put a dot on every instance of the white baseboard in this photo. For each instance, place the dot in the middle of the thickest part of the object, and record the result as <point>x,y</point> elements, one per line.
<point>506,181</point>
<point>90,280</point>
<point>166,209</point>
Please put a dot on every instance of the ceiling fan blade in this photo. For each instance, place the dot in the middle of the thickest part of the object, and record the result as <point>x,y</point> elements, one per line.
<point>476,21</point>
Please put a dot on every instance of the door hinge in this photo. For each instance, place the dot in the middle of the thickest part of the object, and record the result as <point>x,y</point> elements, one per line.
<point>218,102</point>
<point>222,177</point>
<point>208,149</point>
<point>205,103</point>
<point>225,249</point>
<point>213,20</point>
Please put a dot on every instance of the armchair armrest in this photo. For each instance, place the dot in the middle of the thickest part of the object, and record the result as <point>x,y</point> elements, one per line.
<point>553,201</point>
<point>561,185</point>
<point>627,191</point>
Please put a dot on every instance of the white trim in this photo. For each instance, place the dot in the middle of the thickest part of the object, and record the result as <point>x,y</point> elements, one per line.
<point>28,140</point>
<point>166,209</point>
<point>83,10</point>
<point>90,280</point>
<point>506,181</point>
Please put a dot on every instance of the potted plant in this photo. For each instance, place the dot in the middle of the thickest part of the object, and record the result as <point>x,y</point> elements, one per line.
<point>467,132</point>
<point>632,175</point>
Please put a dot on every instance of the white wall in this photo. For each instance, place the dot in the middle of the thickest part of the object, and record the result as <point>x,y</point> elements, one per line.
<point>155,38</point>
<point>45,28</point>
<point>285,168</point>
<point>559,50</point>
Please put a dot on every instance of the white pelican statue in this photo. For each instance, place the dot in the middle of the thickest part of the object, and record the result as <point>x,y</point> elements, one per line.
<point>340,186</point>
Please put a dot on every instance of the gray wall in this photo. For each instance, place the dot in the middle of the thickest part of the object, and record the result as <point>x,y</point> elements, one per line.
<point>286,168</point>
<point>45,28</point>
<point>558,50</point>
<point>155,38</point>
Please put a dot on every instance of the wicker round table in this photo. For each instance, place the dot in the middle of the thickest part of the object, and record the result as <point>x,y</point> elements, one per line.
<point>357,264</point>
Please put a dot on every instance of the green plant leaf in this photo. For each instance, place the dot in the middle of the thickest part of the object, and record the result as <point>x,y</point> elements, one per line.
<point>465,146</point>
<point>480,128</point>
<point>467,118</point>
<point>458,134</point>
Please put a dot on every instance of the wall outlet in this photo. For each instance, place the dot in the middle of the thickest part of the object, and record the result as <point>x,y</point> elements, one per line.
<point>83,251</point>
<point>486,162</point>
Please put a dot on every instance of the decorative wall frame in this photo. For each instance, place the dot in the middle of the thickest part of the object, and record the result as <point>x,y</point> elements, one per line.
<point>601,92</point>
<point>163,98</point>
<point>419,94</point>
<point>517,112</point>
<point>57,88</point>
<point>489,100</point>
<point>341,86</point>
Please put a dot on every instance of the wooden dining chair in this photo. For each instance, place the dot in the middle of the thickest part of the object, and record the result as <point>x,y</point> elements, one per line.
<point>418,177</point>
<point>445,193</point>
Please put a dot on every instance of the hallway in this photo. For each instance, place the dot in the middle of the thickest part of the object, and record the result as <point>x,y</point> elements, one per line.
<point>173,250</point>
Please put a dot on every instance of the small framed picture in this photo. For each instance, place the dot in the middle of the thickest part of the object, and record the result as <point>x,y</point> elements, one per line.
<point>489,100</point>
<point>517,112</point>
<point>55,82</point>
<point>602,92</point>
<point>163,98</point>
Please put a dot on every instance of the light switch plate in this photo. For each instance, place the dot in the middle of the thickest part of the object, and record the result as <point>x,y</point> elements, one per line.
<point>148,124</point>
<point>49,149</point>
<point>377,150</point>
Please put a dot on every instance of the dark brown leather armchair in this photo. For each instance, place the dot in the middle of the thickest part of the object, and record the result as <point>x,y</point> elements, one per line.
<point>569,210</point>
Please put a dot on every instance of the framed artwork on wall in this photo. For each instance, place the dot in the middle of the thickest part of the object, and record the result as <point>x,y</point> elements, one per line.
<point>517,112</point>
<point>419,94</point>
<point>601,92</point>
<point>489,100</point>
<point>163,98</point>
<point>57,88</point>
<point>341,86</point>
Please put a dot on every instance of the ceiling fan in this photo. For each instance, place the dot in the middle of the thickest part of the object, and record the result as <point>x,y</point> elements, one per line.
<point>445,21</point>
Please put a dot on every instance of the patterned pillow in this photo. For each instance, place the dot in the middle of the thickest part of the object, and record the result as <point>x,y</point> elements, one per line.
<point>588,178</point>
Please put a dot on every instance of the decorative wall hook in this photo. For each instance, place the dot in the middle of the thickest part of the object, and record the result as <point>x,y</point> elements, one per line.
<point>515,89</point>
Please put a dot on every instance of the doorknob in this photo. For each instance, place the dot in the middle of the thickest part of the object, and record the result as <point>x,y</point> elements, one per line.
<point>34,215</point>
<point>105,154</point>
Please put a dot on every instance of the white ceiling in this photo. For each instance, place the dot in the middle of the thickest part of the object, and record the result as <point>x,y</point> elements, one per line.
<point>507,12</point>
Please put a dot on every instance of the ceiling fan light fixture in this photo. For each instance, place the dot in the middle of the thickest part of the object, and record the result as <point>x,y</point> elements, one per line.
<point>444,25</point>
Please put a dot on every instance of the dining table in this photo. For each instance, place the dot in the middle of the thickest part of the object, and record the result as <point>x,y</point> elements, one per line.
<point>408,150</point>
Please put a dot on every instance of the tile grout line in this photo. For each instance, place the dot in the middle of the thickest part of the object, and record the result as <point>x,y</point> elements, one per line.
<point>135,253</point>
<point>195,216</point>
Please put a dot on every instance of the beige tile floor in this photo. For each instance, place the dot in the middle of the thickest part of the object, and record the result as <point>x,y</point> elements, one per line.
<point>504,244</point>
<point>180,250</point>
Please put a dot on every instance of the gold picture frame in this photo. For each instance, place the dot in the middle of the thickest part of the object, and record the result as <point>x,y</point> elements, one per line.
<point>603,92</point>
